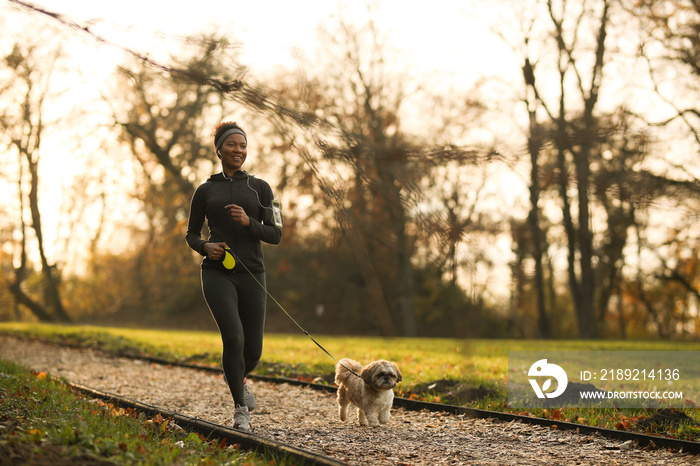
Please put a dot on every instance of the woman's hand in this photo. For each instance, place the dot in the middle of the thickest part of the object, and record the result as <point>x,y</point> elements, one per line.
<point>215,251</point>
<point>238,214</point>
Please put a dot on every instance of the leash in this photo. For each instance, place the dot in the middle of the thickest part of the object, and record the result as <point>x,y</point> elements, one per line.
<point>294,320</point>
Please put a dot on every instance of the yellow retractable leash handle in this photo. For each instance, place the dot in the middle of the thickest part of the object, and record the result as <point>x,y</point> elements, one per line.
<point>229,261</point>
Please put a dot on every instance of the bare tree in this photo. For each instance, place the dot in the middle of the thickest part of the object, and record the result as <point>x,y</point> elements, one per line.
<point>356,96</point>
<point>166,121</point>
<point>31,69</point>
<point>536,140</point>
<point>566,25</point>
<point>675,25</point>
<point>670,43</point>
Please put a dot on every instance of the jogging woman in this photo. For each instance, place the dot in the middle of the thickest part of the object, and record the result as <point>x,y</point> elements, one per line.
<point>241,212</point>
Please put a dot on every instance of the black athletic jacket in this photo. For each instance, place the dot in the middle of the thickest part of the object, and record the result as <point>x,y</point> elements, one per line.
<point>208,201</point>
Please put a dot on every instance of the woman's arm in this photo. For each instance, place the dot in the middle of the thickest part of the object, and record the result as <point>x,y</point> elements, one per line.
<point>266,230</point>
<point>196,222</point>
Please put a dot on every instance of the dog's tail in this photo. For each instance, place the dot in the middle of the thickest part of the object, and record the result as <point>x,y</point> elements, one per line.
<point>341,370</point>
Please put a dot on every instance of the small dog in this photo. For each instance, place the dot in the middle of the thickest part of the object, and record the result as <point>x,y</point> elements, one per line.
<point>371,393</point>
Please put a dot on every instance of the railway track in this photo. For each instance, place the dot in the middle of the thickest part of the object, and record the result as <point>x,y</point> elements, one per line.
<point>441,434</point>
<point>248,441</point>
<point>643,440</point>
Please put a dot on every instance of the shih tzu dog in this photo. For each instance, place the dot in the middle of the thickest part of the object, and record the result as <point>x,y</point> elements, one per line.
<point>372,392</point>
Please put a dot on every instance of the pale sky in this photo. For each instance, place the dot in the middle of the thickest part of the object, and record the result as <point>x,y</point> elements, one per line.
<point>446,36</point>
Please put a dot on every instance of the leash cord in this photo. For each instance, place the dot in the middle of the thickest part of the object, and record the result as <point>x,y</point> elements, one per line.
<point>294,320</point>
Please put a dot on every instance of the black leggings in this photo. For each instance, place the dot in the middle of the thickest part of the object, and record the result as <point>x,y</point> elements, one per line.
<point>237,302</point>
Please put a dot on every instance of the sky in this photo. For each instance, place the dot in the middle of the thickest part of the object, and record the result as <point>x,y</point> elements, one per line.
<point>446,45</point>
<point>446,36</point>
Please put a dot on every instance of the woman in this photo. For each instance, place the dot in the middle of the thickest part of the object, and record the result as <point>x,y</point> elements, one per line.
<point>240,211</point>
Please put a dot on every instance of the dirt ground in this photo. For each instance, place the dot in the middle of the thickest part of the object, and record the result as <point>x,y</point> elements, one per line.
<point>308,419</point>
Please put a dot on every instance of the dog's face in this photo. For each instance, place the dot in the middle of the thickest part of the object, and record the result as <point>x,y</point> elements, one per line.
<point>381,375</point>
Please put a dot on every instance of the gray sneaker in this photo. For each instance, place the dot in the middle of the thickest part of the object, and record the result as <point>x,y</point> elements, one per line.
<point>241,418</point>
<point>248,397</point>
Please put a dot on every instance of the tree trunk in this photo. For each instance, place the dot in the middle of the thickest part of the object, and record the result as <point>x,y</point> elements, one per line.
<point>15,287</point>
<point>51,281</point>
<point>587,318</point>
<point>406,282</point>
<point>21,298</point>
<point>580,238</point>
<point>567,219</point>
<point>534,146</point>
<point>377,299</point>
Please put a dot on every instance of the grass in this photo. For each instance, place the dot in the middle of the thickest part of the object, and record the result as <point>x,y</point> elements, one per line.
<point>43,422</point>
<point>466,372</point>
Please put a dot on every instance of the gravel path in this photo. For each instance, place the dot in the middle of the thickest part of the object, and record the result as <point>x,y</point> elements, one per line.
<point>308,419</point>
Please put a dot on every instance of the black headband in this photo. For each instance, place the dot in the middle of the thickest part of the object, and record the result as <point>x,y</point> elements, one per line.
<point>218,142</point>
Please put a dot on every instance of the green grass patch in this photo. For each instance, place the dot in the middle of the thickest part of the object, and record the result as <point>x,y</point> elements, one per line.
<point>469,373</point>
<point>42,421</point>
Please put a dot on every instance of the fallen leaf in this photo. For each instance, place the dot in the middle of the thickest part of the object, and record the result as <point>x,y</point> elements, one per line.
<point>628,445</point>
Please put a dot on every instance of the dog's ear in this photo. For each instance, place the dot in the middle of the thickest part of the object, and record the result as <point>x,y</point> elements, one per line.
<point>399,378</point>
<point>368,372</point>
